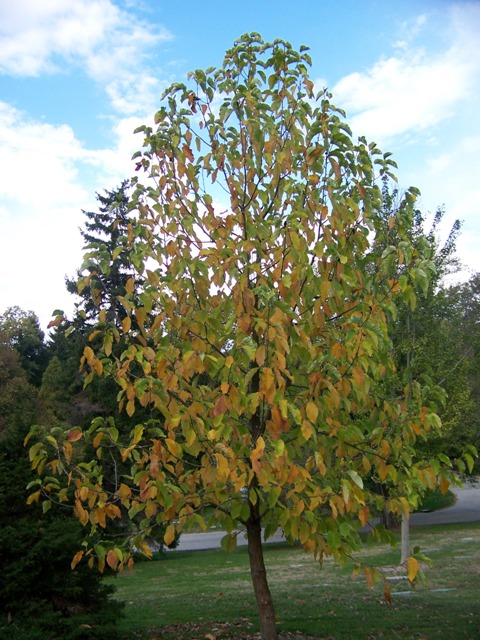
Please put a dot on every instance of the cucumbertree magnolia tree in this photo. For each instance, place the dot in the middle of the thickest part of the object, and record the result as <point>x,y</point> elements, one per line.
<point>258,340</point>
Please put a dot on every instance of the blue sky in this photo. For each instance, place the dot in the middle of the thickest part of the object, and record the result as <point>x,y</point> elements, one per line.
<point>77,77</point>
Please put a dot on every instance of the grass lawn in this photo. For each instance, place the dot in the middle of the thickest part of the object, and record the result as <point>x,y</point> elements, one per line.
<point>208,594</point>
<point>434,500</point>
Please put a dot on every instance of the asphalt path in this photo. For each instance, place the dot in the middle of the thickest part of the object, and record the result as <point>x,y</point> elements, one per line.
<point>465,509</point>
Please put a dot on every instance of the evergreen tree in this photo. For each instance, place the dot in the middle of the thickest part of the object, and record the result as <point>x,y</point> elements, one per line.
<point>107,265</point>
<point>40,596</point>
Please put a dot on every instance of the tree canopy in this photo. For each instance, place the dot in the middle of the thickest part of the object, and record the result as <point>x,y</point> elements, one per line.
<point>255,328</point>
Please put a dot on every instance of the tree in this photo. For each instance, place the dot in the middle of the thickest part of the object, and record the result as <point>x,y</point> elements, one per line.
<point>258,339</point>
<point>459,323</point>
<point>107,265</point>
<point>21,330</point>
<point>40,596</point>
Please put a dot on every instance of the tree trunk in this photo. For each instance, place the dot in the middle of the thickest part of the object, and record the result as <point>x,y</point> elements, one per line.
<point>406,550</point>
<point>258,572</point>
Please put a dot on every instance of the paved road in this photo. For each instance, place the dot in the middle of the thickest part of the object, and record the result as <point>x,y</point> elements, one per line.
<point>465,509</point>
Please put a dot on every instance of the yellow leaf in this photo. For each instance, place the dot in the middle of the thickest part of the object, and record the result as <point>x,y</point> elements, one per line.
<point>140,315</point>
<point>222,467</point>
<point>412,568</point>
<point>98,366</point>
<point>224,387</point>
<point>257,453</point>
<point>307,429</point>
<point>169,536</point>
<point>124,492</point>
<point>228,361</point>
<point>126,324</point>
<point>130,285</point>
<point>174,448</point>
<point>311,411</point>
<point>83,493</point>
<point>130,408</point>
<point>267,384</point>
<point>33,497</point>
<point>89,355</point>
<point>260,355</point>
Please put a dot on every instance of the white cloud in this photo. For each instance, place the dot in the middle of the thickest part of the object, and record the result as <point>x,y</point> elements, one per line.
<point>37,161</point>
<point>414,91</point>
<point>33,34</point>
<point>409,30</point>
<point>109,43</point>
<point>456,170</point>
<point>421,103</point>
<point>48,177</point>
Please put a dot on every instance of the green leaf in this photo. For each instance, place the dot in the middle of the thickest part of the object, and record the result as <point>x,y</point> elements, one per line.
<point>229,542</point>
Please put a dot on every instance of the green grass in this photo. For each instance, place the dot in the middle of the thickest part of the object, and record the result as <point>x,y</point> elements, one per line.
<point>434,500</point>
<point>192,594</point>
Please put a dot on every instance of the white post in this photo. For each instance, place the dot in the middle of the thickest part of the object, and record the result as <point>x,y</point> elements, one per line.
<point>406,550</point>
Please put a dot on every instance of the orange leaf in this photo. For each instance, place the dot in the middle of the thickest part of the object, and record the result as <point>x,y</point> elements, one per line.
<point>363,514</point>
<point>358,375</point>
<point>386,593</point>
<point>112,559</point>
<point>444,485</point>
<point>221,406</point>
<point>74,434</point>
<point>97,440</point>
<point>76,559</point>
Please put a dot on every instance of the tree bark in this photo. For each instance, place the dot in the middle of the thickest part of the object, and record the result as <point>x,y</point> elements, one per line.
<point>258,572</point>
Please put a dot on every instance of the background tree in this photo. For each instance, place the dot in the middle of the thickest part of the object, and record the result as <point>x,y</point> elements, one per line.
<point>40,596</point>
<point>258,340</point>
<point>107,263</point>
<point>459,333</point>
<point>21,330</point>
